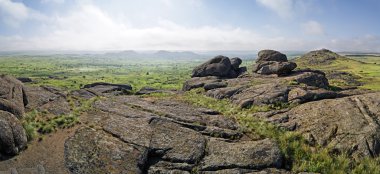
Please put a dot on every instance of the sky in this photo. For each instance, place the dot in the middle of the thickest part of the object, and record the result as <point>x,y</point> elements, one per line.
<point>200,25</point>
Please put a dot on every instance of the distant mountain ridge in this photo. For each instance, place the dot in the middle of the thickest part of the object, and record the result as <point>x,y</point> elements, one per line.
<point>161,54</point>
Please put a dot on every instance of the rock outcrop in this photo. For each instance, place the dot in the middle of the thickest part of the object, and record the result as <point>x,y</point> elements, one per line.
<point>319,57</point>
<point>273,62</point>
<point>137,135</point>
<point>284,87</point>
<point>13,97</point>
<point>219,66</point>
<point>349,124</point>
<point>345,120</point>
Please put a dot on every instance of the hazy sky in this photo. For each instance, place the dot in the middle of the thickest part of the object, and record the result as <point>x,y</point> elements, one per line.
<point>340,25</point>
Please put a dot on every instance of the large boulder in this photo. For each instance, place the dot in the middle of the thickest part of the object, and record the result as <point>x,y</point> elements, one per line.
<point>13,97</point>
<point>273,62</point>
<point>12,135</point>
<point>271,55</point>
<point>272,67</point>
<point>220,66</point>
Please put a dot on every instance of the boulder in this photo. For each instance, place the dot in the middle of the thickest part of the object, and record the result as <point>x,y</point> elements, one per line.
<point>273,62</point>
<point>272,67</point>
<point>235,63</point>
<point>219,66</point>
<point>12,135</point>
<point>271,55</point>
<point>13,96</point>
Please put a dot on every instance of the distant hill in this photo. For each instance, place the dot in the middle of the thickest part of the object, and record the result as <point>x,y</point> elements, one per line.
<point>341,70</point>
<point>320,58</point>
<point>162,54</point>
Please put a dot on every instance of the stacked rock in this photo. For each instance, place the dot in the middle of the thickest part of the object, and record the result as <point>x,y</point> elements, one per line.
<point>273,62</point>
<point>220,66</point>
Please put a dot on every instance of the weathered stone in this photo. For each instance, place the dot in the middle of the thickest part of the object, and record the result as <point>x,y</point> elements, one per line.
<point>47,99</point>
<point>245,154</point>
<point>218,66</point>
<point>222,93</point>
<point>150,90</point>
<point>175,143</point>
<point>271,55</point>
<point>91,151</point>
<point>12,135</point>
<point>12,96</point>
<point>310,78</point>
<point>199,82</point>
<point>235,63</point>
<point>131,130</point>
<point>168,136</point>
<point>264,94</point>
<point>272,67</point>
<point>102,88</point>
<point>214,85</point>
<point>301,95</point>
<point>349,124</point>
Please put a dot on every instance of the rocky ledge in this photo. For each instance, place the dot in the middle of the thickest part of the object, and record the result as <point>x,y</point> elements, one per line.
<point>140,135</point>
<point>344,120</point>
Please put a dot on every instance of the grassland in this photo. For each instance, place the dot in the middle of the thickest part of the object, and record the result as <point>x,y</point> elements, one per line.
<point>71,72</point>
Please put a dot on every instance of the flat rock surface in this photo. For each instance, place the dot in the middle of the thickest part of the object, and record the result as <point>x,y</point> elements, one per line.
<point>130,134</point>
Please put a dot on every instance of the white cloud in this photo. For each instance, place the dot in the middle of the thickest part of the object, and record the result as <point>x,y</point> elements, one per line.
<point>313,28</point>
<point>53,1</point>
<point>284,8</point>
<point>88,27</point>
<point>14,13</point>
